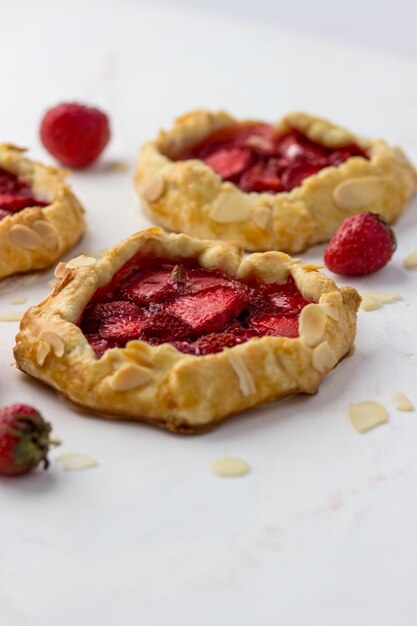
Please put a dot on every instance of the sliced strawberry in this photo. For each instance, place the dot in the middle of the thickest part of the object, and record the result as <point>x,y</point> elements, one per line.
<point>229,162</point>
<point>211,310</point>
<point>295,146</point>
<point>152,285</point>
<point>120,321</point>
<point>275,324</point>
<point>343,154</point>
<point>295,174</point>
<point>165,326</point>
<point>198,279</point>
<point>258,179</point>
<point>14,203</point>
<point>99,344</point>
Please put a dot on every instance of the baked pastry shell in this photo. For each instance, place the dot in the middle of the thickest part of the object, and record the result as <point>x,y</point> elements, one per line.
<point>159,384</point>
<point>36,237</point>
<point>188,196</point>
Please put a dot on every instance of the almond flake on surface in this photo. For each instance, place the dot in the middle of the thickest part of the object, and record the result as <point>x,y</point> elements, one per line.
<point>261,217</point>
<point>42,352</point>
<point>230,467</point>
<point>401,402</point>
<point>246,384</point>
<point>229,208</point>
<point>19,300</point>
<point>373,300</point>
<point>55,341</point>
<point>411,261</point>
<point>72,461</point>
<point>323,357</point>
<point>81,261</point>
<point>12,317</point>
<point>367,415</point>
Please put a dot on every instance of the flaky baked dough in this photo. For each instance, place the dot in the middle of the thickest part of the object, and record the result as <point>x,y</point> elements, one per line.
<point>189,196</point>
<point>159,384</point>
<point>36,237</point>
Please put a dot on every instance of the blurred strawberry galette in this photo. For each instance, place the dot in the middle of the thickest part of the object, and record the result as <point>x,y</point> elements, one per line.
<point>181,332</point>
<point>285,186</point>
<point>40,218</point>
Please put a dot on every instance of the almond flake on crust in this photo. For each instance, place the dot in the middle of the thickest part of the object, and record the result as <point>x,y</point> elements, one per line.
<point>81,261</point>
<point>401,402</point>
<point>130,377</point>
<point>357,193</point>
<point>312,324</point>
<point>367,415</point>
<point>54,340</point>
<point>246,384</point>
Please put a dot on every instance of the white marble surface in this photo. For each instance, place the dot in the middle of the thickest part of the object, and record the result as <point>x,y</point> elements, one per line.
<point>323,531</point>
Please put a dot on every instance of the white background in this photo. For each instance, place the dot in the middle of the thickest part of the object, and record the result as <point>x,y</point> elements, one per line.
<point>323,530</point>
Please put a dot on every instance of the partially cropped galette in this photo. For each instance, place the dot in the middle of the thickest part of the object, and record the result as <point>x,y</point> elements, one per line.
<point>40,218</point>
<point>285,186</point>
<point>181,332</point>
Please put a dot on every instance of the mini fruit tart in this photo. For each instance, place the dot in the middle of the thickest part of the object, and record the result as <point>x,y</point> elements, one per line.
<point>285,186</point>
<point>40,218</point>
<point>181,332</point>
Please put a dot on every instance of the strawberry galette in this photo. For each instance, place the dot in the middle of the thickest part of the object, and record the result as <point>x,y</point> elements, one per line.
<point>181,332</point>
<point>40,218</point>
<point>285,186</point>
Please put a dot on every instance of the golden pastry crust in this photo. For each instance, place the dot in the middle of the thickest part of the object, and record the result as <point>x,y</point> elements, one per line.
<point>189,196</point>
<point>36,237</point>
<point>159,384</point>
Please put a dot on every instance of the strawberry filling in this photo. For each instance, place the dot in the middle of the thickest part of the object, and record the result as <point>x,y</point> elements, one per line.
<point>255,157</point>
<point>15,195</point>
<point>198,311</point>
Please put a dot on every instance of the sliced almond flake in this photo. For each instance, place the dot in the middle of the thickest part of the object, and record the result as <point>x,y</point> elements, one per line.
<point>367,415</point>
<point>98,254</point>
<point>312,324</point>
<point>19,300</point>
<point>72,461</point>
<point>230,466</point>
<point>411,261</point>
<point>12,317</point>
<point>246,384</point>
<point>81,261</point>
<point>373,300</point>
<point>401,402</point>
<point>11,283</point>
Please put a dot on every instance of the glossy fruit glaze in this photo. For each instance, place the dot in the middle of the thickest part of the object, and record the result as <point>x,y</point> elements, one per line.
<point>15,195</point>
<point>198,311</point>
<point>255,157</point>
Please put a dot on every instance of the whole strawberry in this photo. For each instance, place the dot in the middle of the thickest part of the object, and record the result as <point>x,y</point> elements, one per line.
<point>362,244</point>
<point>75,134</point>
<point>24,440</point>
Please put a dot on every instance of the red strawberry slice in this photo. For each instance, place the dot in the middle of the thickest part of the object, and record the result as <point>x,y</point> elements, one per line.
<point>99,344</point>
<point>210,311</point>
<point>214,342</point>
<point>229,162</point>
<point>295,174</point>
<point>275,324</point>
<point>14,203</point>
<point>287,304</point>
<point>198,279</point>
<point>152,285</point>
<point>165,326</point>
<point>343,154</point>
<point>120,321</point>
<point>296,146</point>
<point>259,180</point>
